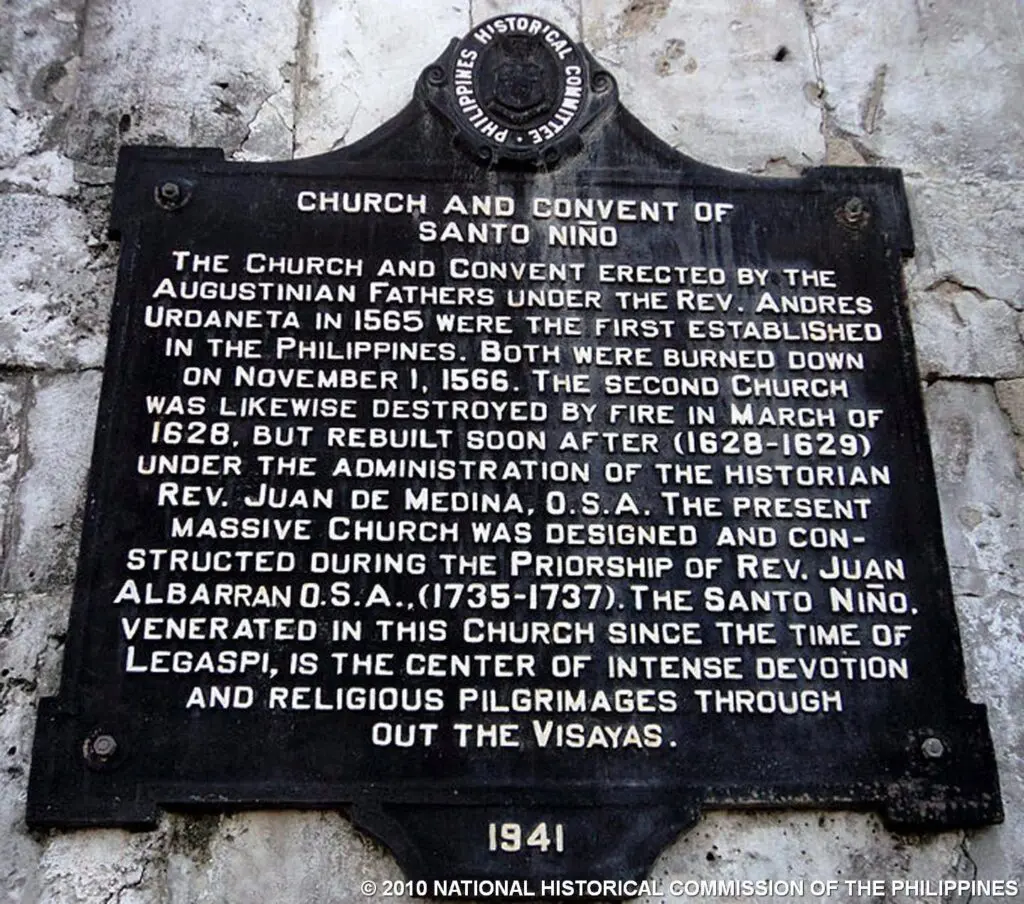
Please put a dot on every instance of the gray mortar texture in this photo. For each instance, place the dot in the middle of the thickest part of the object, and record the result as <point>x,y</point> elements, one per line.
<point>931,86</point>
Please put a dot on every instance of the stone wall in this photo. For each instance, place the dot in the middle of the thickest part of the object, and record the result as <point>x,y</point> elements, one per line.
<point>934,87</point>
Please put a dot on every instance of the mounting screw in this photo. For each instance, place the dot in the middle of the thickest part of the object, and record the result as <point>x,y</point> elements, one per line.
<point>170,192</point>
<point>99,749</point>
<point>171,195</point>
<point>853,214</point>
<point>104,745</point>
<point>933,748</point>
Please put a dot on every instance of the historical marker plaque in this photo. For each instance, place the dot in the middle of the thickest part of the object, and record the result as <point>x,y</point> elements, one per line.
<point>516,481</point>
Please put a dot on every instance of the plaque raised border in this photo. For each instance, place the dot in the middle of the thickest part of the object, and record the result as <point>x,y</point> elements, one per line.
<point>517,111</point>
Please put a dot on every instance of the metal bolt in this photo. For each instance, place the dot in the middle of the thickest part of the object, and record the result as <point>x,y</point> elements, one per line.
<point>99,750</point>
<point>172,195</point>
<point>933,748</point>
<point>170,191</point>
<point>853,209</point>
<point>104,746</point>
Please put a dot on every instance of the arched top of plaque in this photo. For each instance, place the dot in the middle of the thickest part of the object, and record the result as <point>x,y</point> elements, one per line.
<point>518,90</point>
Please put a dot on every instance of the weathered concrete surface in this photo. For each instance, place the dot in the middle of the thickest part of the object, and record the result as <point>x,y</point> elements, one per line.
<point>976,467</point>
<point>315,856</point>
<point>732,84</point>
<point>983,517</point>
<point>184,73</point>
<point>934,88</point>
<point>38,68</point>
<point>994,628</point>
<point>988,330</point>
<point>103,865</point>
<point>966,291</point>
<point>971,233</point>
<point>1010,394</point>
<point>13,393</point>
<point>51,492</point>
<point>565,13</point>
<point>347,41</point>
<point>811,847</point>
<point>32,628</point>
<point>54,286</point>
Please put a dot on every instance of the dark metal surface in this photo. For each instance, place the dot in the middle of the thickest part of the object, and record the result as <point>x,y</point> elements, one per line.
<point>119,743</point>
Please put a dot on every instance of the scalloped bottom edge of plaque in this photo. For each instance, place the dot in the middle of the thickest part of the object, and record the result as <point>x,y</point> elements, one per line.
<point>600,842</point>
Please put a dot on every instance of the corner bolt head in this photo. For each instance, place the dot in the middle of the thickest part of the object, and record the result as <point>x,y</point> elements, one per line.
<point>171,195</point>
<point>933,748</point>
<point>105,745</point>
<point>98,750</point>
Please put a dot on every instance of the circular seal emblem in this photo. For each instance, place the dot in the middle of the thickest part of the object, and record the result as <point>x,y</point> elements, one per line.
<point>517,87</point>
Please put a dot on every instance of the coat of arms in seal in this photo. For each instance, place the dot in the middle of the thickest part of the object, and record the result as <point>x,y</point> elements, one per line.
<point>517,87</point>
<point>519,80</point>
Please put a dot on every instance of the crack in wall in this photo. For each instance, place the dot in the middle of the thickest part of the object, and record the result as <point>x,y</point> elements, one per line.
<point>933,378</point>
<point>269,102</point>
<point>1010,400</point>
<point>1004,391</point>
<point>340,140</point>
<point>303,39</point>
<point>949,282</point>
<point>872,107</point>
<point>45,370</point>
<point>11,527</point>
<point>841,146</point>
<point>957,316</point>
<point>7,187</point>
<point>965,855</point>
<point>812,37</point>
<point>125,885</point>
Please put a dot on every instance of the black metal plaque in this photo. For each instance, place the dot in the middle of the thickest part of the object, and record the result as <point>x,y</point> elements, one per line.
<point>516,482</point>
